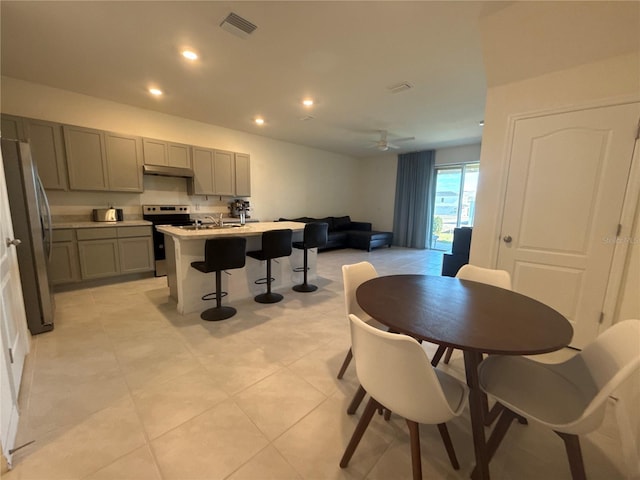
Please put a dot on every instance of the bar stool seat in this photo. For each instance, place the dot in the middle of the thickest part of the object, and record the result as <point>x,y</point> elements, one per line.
<point>275,244</point>
<point>223,253</point>
<point>315,235</point>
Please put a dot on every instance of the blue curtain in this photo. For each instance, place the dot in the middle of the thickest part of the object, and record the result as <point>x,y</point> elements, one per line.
<point>412,211</point>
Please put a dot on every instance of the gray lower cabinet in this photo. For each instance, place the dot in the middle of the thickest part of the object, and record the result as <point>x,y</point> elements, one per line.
<point>64,266</point>
<point>136,249</point>
<point>111,251</point>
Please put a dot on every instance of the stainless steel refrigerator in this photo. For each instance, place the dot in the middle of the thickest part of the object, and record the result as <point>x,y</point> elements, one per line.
<point>31,219</point>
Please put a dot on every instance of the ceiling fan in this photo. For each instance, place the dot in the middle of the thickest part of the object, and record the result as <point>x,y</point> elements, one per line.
<point>383,144</point>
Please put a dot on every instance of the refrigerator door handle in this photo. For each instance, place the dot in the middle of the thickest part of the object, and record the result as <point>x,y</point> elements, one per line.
<point>45,201</point>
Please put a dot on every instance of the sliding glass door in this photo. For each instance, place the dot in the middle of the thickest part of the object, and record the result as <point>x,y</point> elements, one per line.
<point>454,202</point>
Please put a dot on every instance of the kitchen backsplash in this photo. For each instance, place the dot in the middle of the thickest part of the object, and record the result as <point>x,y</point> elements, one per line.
<point>78,206</point>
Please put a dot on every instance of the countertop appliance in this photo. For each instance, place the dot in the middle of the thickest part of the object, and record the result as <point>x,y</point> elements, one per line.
<point>31,218</point>
<point>108,214</point>
<point>175,215</point>
<point>238,208</point>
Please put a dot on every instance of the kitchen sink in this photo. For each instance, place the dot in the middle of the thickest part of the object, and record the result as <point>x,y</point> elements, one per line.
<point>208,227</point>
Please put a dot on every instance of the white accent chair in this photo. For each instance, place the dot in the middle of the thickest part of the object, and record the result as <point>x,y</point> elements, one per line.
<point>497,278</point>
<point>353,276</point>
<point>569,397</point>
<point>396,372</point>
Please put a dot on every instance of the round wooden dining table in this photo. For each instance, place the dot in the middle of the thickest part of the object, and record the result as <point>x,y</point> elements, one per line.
<point>473,317</point>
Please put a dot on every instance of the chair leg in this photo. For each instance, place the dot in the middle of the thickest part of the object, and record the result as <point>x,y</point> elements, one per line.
<point>576,464</point>
<point>498,433</point>
<point>345,363</point>
<point>448,445</point>
<point>438,355</point>
<point>268,296</point>
<point>305,286</point>
<point>357,399</point>
<point>416,460</point>
<point>447,357</point>
<point>370,409</point>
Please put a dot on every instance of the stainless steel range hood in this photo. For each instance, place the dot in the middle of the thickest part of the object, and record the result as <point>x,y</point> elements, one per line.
<point>164,171</point>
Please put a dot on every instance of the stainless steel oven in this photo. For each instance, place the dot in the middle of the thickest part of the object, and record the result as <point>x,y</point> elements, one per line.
<point>174,215</point>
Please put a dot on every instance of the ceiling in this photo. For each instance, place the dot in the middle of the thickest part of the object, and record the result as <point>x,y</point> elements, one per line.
<point>344,55</point>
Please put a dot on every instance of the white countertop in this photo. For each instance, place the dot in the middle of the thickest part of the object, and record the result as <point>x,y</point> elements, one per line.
<point>126,223</point>
<point>248,230</point>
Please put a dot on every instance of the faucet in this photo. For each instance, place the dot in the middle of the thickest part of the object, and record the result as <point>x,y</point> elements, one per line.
<point>219,222</point>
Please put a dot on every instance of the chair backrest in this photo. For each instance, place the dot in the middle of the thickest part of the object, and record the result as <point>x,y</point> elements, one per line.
<point>277,243</point>
<point>316,234</point>
<point>497,278</point>
<point>353,276</point>
<point>225,253</point>
<point>395,370</point>
<point>611,359</point>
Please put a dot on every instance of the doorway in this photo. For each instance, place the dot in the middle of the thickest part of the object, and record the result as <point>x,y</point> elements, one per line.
<point>454,201</point>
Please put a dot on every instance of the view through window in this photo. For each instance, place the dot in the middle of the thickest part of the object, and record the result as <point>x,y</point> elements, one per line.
<point>454,202</point>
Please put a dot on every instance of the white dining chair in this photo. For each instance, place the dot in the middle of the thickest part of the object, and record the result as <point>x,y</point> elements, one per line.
<point>396,372</point>
<point>353,276</point>
<point>497,278</point>
<point>568,397</point>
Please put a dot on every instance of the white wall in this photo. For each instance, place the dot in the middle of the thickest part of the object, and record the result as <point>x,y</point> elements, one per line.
<point>287,180</point>
<point>583,85</point>
<point>378,182</point>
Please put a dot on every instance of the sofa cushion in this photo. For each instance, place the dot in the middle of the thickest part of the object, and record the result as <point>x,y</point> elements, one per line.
<point>341,223</point>
<point>327,220</point>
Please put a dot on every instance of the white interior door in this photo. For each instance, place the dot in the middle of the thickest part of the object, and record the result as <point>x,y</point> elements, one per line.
<point>566,185</point>
<point>14,337</point>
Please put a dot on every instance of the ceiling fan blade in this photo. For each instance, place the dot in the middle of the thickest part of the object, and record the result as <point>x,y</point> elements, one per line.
<point>405,139</point>
<point>391,145</point>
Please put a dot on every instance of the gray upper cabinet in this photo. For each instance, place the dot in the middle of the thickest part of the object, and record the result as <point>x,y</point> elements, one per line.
<point>203,171</point>
<point>159,152</point>
<point>12,127</point>
<point>220,172</point>
<point>100,160</point>
<point>124,162</point>
<point>47,148</point>
<point>224,173</point>
<point>86,158</point>
<point>243,175</point>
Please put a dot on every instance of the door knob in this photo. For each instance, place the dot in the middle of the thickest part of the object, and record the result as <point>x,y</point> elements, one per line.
<point>15,242</point>
<point>507,239</point>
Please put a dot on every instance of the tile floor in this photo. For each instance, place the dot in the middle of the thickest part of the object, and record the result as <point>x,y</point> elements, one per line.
<point>124,388</point>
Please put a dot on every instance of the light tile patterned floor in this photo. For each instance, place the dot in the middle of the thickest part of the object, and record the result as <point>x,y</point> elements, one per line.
<point>124,388</point>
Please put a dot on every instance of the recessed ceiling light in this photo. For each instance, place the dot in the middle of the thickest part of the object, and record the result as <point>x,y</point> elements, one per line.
<point>307,102</point>
<point>189,55</point>
<point>155,91</point>
<point>259,121</point>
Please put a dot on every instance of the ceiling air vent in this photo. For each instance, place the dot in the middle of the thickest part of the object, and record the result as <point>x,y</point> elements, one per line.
<point>399,87</point>
<point>237,25</point>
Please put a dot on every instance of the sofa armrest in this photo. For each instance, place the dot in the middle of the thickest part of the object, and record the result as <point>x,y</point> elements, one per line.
<point>362,226</point>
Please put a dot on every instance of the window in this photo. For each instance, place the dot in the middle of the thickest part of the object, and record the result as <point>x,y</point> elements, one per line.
<point>454,202</point>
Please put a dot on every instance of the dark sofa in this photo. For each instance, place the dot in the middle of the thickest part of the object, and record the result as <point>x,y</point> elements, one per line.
<point>345,233</point>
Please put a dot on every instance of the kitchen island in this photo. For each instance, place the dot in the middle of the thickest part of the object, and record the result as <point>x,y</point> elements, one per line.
<point>187,285</point>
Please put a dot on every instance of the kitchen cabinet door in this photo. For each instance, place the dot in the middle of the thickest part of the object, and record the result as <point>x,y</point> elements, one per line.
<point>224,173</point>
<point>136,254</point>
<point>124,162</point>
<point>12,127</point>
<point>179,155</point>
<point>99,258</point>
<point>47,149</point>
<point>155,152</point>
<point>243,175</point>
<point>64,267</point>
<point>203,171</point>
<point>86,158</point>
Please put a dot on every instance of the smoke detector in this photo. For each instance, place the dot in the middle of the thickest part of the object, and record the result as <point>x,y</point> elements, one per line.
<point>235,24</point>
